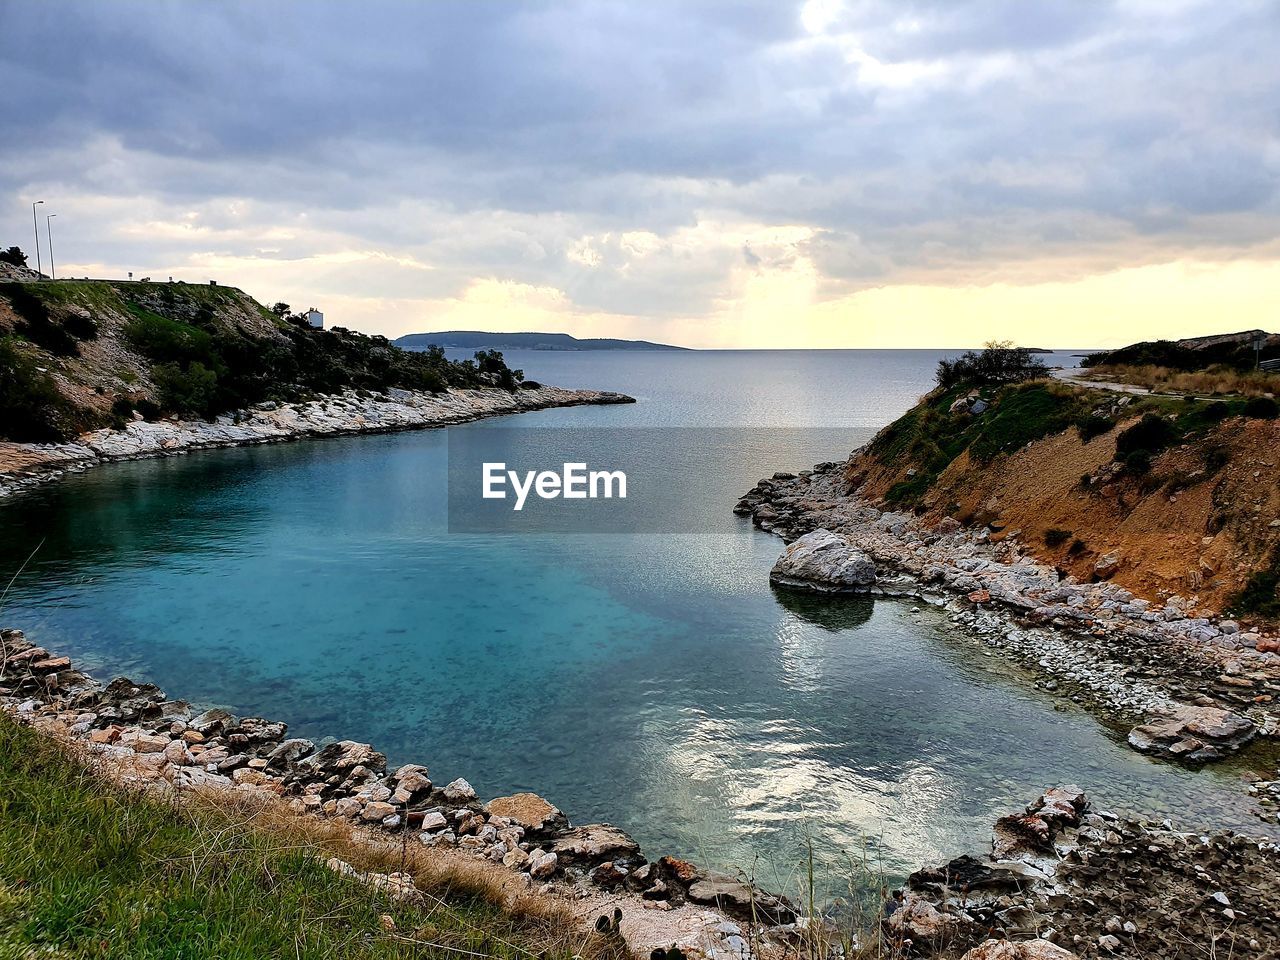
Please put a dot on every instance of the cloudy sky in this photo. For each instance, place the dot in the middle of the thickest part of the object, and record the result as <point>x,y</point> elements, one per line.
<point>830,173</point>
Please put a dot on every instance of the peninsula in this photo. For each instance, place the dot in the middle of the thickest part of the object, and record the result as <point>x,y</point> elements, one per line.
<point>480,340</point>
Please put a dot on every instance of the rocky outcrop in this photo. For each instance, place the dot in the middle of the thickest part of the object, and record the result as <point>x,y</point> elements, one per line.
<point>1193,734</point>
<point>1064,880</point>
<point>1139,663</point>
<point>823,562</point>
<point>24,464</point>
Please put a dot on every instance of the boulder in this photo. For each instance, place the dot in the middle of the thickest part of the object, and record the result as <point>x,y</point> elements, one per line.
<point>459,791</point>
<point>537,816</point>
<point>739,899</point>
<point>1193,734</point>
<point>824,562</point>
<point>596,843</point>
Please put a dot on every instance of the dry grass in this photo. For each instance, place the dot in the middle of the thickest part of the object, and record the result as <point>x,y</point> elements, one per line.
<point>86,862</point>
<point>1215,381</point>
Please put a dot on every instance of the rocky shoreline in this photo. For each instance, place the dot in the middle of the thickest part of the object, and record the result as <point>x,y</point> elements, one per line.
<point>1192,687</point>
<point>25,464</point>
<point>1064,880</point>
<point>152,741</point>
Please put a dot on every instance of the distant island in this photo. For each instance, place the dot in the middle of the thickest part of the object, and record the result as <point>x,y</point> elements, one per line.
<point>480,340</point>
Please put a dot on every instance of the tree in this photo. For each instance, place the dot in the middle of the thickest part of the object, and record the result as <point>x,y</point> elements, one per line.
<point>14,256</point>
<point>999,362</point>
<point>280,309</point>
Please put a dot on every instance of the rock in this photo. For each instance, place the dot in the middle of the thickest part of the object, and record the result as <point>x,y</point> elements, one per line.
<point>1026,950</point>
<point>1106,566</point>
<point>542,865</point>
<point>921,922</point>
<point>824,562</point>
<point>344,756</point>
<point>377,810</point>
<point>290,751</point>
<point>740,899</point>
<point>1193,734</point>
<point>432,821</point>
<point>459,791</point>
<point>609,874</point>
<point>595,843</point>
<point>537,816</point>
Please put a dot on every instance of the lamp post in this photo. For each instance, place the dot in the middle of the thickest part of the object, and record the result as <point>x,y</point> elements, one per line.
<point>35,225</point>
<point>48,229</point>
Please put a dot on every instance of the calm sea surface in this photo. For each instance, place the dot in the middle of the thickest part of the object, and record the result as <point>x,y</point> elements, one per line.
<point>656,682</point>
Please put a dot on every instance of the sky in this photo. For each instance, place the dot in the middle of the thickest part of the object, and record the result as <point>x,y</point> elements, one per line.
<point>762,173</point>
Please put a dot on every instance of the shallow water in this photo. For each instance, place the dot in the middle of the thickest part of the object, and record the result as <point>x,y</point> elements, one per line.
<point>653,681</point>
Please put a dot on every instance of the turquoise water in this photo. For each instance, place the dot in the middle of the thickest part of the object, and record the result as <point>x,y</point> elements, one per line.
<point>653,681</point>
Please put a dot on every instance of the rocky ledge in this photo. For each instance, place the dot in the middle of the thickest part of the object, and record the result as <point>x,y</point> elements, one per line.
<point>150,739</point>
<point>24,464</point>
<point>1194,687</point>
<point>1063,880</point>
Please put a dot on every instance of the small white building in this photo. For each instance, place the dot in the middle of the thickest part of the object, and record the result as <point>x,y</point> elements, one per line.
<point>315,318</point>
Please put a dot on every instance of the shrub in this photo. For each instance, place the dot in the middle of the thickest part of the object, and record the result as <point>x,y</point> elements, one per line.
<point>1077,546</point>
<point>168,341</point>
<point>1150,435</point>
<point>1093,425</point>
<point>191,390</point>
<point>37,325</point>
<point>14,257</point>
<point>1054,538</point>
<point>31,409</point>
<point>1138,462</point>
<point>1261,593</point>
<point>999,362</point>
<point>1262,408</point>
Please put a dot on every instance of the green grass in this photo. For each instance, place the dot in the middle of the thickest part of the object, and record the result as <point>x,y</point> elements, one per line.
<point>90,869</point>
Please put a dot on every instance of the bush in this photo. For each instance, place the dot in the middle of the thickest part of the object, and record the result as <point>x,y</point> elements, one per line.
<point>37,325</point>
<point>1150,435</point>
<point>1093,425</point>
<point>14,257</point>
<point>1138,462</point>
<point>1261,593</point>
<point>1262,408</point>
<point>190,391</point>
<point>999,362</point>
<point>31,409</point>
<point>1054,538</point>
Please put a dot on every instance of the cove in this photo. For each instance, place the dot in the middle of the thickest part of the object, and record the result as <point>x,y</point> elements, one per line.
<point>656,682</point>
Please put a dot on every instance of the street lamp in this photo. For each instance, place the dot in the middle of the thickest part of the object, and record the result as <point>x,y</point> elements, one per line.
<point>35,225</point>
<point>48,229</point>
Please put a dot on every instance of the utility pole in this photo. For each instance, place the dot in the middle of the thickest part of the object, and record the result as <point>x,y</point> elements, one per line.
<point>48,229</point>
<point>35,225</point>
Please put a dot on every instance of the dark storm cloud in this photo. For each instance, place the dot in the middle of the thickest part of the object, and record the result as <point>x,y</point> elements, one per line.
<point>487,138</point>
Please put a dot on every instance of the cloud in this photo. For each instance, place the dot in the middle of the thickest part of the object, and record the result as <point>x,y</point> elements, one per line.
<point>642,160</point>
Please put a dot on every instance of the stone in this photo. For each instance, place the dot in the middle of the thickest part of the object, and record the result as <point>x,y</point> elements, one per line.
<point>290,751</point>
<point>1025,950</point>
<point>921,922</point>
<point>1194,735</point>
<point>377,810</point>
<point>537,816</point>
<point>459,791</point>
<point>433,820</point>
<point>824,562</point>
<point>1106,566</point>
<point>542,865</point>
<point>739,899</point>
<point>595,843</point>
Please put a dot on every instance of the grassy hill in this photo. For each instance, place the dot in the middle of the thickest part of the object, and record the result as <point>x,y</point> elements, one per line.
<point>81,354</point>
<point>1185,490</point>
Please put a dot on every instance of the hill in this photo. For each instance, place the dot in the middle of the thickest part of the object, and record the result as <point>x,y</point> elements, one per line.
<point>1234,351</point>
<point>479,340</point>
<point>1165,495</point>
<point>78,355</point>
